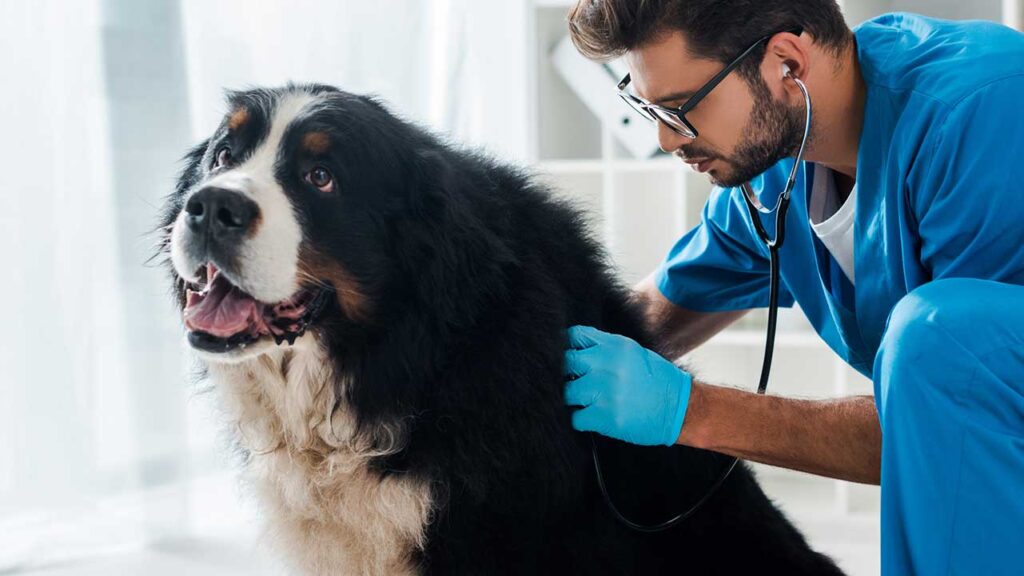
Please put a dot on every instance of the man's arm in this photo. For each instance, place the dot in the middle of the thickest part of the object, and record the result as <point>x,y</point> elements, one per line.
<point>839,438</point>
<point>677,330</point>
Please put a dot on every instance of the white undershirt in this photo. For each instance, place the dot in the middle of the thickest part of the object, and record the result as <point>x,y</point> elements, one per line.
<point>832,222</point>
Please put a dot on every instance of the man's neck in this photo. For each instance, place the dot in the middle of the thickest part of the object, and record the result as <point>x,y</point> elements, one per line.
<point>838,113</point>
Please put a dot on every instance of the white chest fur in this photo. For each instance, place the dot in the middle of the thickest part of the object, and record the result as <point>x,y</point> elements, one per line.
<point>325,510</point>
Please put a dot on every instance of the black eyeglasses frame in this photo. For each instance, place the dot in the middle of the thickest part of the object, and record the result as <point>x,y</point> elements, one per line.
<point>669,116</point>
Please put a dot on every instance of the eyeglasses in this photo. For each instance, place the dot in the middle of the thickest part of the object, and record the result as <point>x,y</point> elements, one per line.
<point>675,118</point>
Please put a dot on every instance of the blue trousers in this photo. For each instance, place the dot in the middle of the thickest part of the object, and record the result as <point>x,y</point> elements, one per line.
<point>949,385</point>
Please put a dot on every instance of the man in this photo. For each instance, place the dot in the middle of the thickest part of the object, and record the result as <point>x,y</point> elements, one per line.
<point>904,247</point>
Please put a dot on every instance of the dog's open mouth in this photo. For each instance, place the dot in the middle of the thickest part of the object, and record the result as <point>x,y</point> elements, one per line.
<point>220,316</point>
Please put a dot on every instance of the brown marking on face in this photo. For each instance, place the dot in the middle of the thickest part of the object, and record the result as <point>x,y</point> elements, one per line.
<point>315,267</point>
<point>238,118</point>
<point>254,226</point>
<point>316,142</point>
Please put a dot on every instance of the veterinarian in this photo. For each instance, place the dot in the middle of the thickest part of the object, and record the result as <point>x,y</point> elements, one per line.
<point>904,247</point>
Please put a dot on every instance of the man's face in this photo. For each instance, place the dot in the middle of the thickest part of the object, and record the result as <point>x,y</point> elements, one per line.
<point>743,130</point>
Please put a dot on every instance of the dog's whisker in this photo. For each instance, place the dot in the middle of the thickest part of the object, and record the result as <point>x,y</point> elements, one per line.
<point>302,274</point>
<point>149,260</point>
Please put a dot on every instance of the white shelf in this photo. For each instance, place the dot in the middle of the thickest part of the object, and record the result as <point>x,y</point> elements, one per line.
<point>661,164</point>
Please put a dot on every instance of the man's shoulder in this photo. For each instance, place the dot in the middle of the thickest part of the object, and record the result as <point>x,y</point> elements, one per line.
<point>918,58</point>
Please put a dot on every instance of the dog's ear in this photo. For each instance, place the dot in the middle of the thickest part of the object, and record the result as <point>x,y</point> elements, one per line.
<point>453,236</point>
<point>190,174</point>
<point>376,102</point>
<point>433,188</point>
<point>191,171</point>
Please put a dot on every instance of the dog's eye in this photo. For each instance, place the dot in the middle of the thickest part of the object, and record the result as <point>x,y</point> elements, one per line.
<point>321,178</point>
<point>222,157</point>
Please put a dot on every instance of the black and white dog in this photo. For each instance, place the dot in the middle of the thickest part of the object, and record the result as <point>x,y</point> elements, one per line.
<point>384,317</point>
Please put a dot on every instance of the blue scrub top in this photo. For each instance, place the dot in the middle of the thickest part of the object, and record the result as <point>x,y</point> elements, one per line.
<point>940,190</point>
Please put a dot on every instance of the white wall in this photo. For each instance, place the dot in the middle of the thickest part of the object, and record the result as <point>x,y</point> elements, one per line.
<point>859,10</point>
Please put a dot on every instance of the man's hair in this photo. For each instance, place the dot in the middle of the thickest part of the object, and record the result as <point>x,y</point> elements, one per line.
<point>717,29</point>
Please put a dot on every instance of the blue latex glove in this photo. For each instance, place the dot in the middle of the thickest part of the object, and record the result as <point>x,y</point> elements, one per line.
<point>626,391</point>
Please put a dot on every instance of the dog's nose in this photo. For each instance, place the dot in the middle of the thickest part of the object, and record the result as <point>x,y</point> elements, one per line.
<point>223,214</point>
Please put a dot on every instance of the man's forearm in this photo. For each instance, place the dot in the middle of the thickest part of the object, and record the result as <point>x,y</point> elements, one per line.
<point>839,438</point>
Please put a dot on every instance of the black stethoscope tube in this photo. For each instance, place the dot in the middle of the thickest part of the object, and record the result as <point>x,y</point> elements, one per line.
<point>755,208</point>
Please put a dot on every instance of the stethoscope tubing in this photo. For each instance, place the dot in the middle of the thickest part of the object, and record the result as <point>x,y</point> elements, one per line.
<point>755,208</point>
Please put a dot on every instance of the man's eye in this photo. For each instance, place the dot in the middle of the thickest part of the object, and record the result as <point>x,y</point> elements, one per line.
<point>222,157</point>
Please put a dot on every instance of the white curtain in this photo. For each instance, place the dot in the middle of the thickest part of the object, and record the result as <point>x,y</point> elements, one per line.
<point>68,431</point>
<point>458,66</point>
<point>103,437</point>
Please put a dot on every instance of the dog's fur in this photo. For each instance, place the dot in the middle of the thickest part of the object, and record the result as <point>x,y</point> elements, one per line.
<point>419,426</point>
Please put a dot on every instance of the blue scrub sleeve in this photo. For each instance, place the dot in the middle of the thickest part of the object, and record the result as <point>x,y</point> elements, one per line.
<point>968,199</point>
<point>721,264</point>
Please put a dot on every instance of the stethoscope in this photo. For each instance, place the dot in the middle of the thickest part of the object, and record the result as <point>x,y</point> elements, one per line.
<point>755,208</point>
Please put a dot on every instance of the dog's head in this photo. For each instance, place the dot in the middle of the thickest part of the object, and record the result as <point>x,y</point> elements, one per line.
<point>289,217</point>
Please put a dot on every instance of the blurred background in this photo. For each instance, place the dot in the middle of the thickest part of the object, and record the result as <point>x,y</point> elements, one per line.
<point>112,458</point>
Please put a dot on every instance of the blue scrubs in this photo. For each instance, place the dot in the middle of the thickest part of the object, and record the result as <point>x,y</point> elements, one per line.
<point>937,316</point>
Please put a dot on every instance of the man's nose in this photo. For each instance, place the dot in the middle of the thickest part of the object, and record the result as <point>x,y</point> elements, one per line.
<point>669,140</point>
<point>223,215</point>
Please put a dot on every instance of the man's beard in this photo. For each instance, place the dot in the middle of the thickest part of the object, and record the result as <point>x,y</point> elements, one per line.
<point>773,133</point>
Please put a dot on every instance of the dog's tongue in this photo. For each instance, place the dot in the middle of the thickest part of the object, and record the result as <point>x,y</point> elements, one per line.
<point>223,311</point>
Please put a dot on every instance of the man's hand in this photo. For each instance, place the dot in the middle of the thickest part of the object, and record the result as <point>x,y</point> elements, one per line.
<point>626,391</point>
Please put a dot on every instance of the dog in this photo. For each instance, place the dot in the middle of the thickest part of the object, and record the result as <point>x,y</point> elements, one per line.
<point>383,315</point>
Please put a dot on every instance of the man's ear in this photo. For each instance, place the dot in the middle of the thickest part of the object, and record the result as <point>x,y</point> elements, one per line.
<point>786,57</point>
